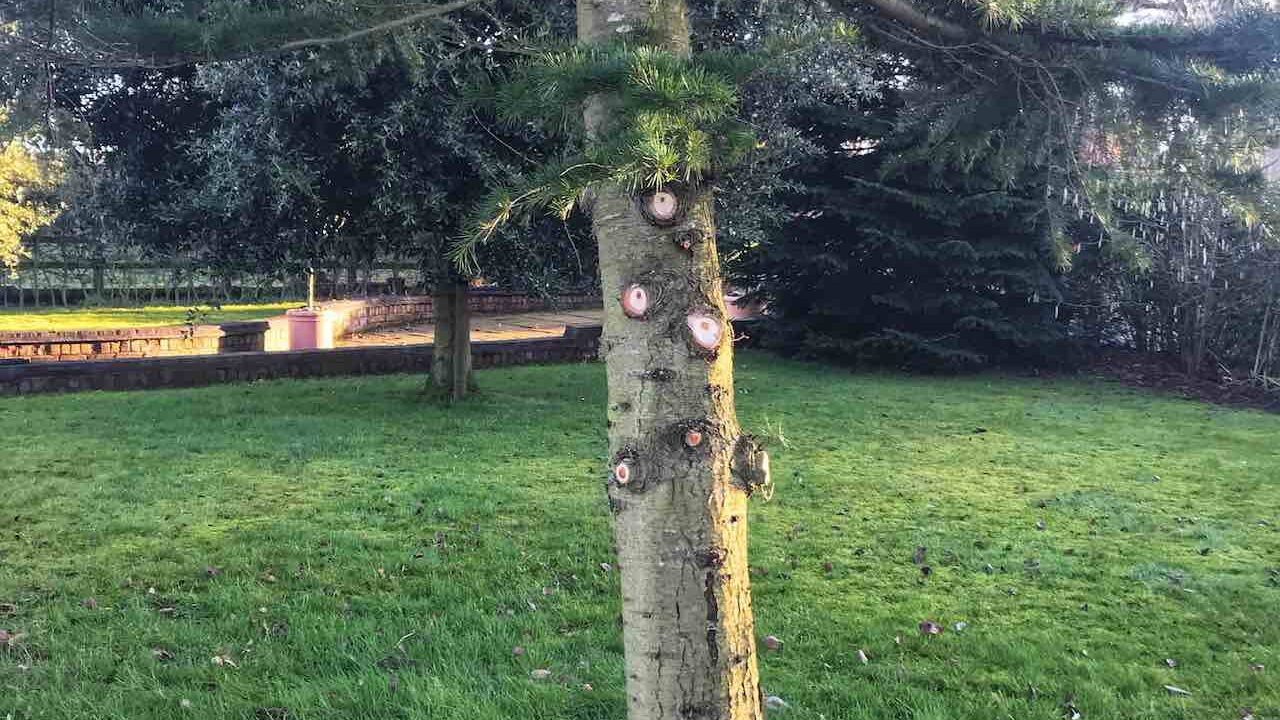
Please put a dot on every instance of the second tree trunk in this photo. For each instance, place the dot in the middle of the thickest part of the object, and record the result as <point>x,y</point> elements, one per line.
<point>451,353</point>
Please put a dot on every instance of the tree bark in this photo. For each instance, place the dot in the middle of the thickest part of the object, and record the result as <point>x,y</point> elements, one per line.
<point>451,352</point>
<point>681,470</point>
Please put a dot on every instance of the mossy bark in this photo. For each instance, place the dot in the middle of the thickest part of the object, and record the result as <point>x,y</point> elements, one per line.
<point>451,352</point>
<point>680,517</point>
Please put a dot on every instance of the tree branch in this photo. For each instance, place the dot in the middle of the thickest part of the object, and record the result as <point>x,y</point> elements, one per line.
<point>111,55</point>
<point>907,14</point>
<point>430,12</point>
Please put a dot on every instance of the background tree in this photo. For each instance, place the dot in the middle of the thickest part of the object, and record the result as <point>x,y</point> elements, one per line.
<point>26,184</point>
<point>935,214</point>
<point>333,156</point>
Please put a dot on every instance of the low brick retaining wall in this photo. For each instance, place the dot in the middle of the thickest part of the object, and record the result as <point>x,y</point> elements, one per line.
<point>23,378</point>
<point>344,317</point>
<point>134,342</point>
<point>353,316</point>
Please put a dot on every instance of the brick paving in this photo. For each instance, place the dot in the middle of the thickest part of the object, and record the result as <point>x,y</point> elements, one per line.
<point>519,326</point>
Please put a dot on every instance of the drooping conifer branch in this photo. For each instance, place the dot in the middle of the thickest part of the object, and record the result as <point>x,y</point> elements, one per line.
<point>673,122</point>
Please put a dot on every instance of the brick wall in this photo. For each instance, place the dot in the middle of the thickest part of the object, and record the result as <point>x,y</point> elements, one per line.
<point>347,316</point>
<point>353,316</point>
<point>134,342</point>
<point>18,377</point>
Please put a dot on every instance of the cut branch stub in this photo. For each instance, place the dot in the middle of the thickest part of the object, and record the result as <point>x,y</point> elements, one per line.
<point>692,433</point>
<point>685,240</point>
<point>662,208</point>
<point>707,330</point>
<point>750,466</point>
<point>635,301</point>
<point>623,472</point>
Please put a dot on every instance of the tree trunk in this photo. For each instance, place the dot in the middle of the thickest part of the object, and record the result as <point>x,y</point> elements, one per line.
<point>35,271</point>
<point>680,470</point>
<point>451,353</point>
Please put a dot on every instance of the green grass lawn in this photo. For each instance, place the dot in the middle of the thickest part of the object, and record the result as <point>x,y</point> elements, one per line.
<point>357,553</point>
<point>108,318</point>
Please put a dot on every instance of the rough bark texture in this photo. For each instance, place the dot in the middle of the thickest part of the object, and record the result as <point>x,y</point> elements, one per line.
<point>680,515</point>
<point>452,342</point>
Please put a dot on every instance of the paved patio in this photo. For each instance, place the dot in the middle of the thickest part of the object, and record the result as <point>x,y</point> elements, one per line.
<point>520,326</point>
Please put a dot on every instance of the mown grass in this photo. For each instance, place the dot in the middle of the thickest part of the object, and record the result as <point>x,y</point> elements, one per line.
<point>107,318</point>
<point>357,553</point>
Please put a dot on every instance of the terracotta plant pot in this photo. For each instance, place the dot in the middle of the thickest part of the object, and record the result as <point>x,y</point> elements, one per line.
<point>309,330</point>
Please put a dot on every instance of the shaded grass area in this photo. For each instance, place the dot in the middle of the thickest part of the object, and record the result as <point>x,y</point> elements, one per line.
<point>110,318</point>
<point>358,553</point>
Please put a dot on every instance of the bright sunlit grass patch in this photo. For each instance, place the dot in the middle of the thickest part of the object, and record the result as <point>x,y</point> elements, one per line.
<point>109,318</point>
<point>359,553</point>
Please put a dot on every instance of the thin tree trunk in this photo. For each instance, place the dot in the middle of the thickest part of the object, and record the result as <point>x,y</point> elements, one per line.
<point>451,352</point>
<point>680,470</point>
<point>461,364</point>
<point>35,271</point>
<point>1262,339</point>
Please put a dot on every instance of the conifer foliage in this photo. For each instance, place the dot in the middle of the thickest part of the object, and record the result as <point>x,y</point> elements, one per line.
<point>672,121</point>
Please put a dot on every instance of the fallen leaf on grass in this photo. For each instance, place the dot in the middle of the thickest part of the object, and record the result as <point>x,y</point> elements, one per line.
<point>540,675</point>
<point>223,660</point>
<point>929,627</point>
<point>1172,690</point>
<point>396,661</point>
<point>772,642</point>
<point>9,639</point>
<point>862,655</point>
